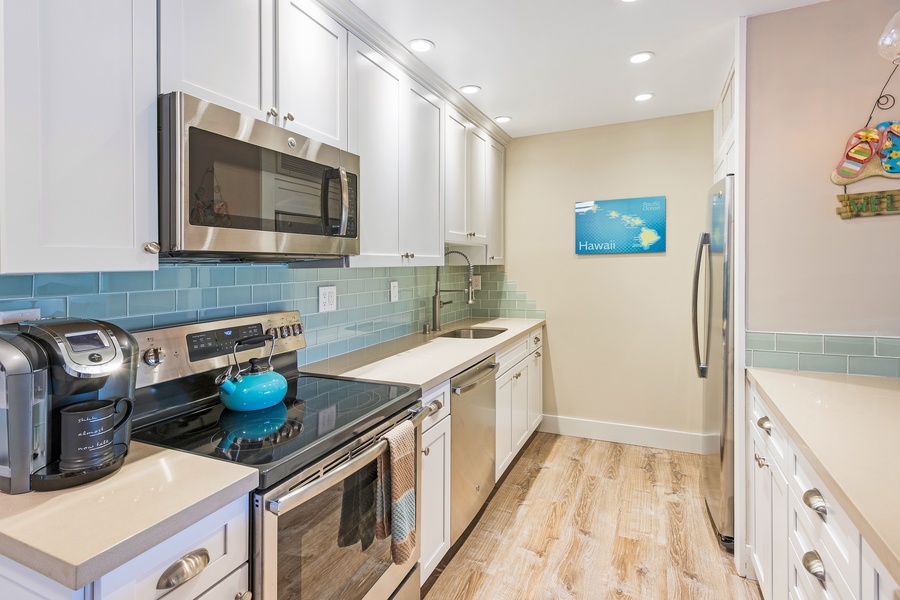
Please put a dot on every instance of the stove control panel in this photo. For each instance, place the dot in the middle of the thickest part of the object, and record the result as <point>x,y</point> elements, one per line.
<point>176,352</point>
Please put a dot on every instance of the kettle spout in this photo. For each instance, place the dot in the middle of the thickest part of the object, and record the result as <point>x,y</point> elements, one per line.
<point>227,386</point>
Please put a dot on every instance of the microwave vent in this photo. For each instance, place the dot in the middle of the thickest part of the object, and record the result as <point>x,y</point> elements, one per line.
<point>291,165</point>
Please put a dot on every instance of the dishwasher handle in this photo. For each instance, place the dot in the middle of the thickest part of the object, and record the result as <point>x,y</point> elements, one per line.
<point>462,389</point>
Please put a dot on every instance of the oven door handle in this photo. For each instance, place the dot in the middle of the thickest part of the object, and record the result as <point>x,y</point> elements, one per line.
<point>296,497</point>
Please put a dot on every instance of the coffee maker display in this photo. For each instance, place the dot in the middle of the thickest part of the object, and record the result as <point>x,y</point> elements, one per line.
<point>80,430</point>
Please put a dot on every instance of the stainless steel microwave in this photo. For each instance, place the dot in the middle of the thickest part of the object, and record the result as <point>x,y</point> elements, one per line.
<point>235,187</point>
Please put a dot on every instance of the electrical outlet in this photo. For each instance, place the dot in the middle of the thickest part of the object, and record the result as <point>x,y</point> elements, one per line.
<point>23,314</point>
<point>476,282</point>
<point>395,291</point>
<point>327,298</point>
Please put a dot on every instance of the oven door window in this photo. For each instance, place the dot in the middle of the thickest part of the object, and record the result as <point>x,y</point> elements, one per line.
<point>236,185</point>
<point>327,548</point>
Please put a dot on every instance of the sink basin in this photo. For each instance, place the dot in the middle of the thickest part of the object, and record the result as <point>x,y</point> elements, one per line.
<point>475,333</point>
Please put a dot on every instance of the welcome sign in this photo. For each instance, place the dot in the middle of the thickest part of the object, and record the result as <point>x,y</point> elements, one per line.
<point>624,226</point>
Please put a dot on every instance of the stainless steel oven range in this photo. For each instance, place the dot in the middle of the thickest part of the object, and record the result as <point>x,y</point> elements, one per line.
<point>313,514</point>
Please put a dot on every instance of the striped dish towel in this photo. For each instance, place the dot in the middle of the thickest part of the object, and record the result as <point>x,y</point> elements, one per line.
<point>395,499</point>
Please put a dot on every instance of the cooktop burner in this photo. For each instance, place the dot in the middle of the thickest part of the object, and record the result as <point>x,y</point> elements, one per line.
<point>318,415</point>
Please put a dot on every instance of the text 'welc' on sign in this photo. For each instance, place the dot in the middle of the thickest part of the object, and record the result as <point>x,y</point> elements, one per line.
<point>869,204</point>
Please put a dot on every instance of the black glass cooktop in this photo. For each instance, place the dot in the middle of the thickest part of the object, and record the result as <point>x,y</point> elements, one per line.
<point>317,416</point>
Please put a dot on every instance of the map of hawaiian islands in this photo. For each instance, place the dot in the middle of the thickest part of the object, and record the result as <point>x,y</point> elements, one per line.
<point>645,238</point>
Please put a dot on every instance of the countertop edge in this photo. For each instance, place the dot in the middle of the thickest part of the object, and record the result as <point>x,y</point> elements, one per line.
<point>870,534</point>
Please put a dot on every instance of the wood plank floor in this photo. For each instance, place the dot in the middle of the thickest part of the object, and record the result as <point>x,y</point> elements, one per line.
<point>581,519</point>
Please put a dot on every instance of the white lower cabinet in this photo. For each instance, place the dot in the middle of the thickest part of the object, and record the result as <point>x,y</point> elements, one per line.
<point>876,583</point>
<point>435,495</point>
<point>519,398</point>
<point>218,544</point>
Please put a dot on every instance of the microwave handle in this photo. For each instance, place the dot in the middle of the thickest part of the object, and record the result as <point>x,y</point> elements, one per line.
<point>345,200</point>
<point>341,174</point>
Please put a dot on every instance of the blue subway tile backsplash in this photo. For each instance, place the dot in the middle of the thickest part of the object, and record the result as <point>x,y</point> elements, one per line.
<point>824,353</point>
<point>178,294</point>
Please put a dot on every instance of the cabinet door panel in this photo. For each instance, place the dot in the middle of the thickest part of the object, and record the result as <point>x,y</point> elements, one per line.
<point>80,129</point>
<point>476,175</point>
<point>220,54</point>
<point>455,177</point>
<point>421,226</point>
<point>495,202</point>
<point>520,405</point>
<point>762,517</point>
<point>312,67</point>
<point>535,391</point>
<point>435,495</point>
<point>504,443</point>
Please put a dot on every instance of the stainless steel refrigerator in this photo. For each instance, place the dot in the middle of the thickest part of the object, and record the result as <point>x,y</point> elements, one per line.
<point>712,311</point>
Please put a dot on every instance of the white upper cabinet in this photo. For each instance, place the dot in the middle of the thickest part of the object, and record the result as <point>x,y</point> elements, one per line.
<point>284,62</point>
<point>218,54</point>
<point>312,72</point>
<point>476,179</point>
<point>494,193</point>
<point>455,141</point>
<point>78,124</point>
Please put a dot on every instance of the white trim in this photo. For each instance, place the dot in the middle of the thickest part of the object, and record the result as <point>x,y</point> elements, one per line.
<point>621,433</point>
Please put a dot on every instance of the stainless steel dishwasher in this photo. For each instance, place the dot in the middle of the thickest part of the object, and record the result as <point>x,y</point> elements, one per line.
<point>473,444</point>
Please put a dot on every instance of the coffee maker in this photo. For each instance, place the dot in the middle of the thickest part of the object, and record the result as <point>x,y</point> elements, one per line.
<point>72,362</point>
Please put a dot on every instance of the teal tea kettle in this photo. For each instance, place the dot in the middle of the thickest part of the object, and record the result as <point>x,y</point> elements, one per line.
<point>254,387</point>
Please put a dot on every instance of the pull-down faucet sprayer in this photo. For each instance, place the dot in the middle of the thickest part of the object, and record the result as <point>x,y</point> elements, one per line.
<point>437,303</point>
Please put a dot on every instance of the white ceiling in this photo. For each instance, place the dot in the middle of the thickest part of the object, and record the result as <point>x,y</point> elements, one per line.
<point>555,65</point>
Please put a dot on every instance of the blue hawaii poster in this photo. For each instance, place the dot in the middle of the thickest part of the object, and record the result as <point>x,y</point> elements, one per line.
<point>624,226</point>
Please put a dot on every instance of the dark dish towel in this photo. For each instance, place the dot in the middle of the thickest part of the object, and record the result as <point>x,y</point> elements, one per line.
<point>358,508</point>
<point>395,498</point>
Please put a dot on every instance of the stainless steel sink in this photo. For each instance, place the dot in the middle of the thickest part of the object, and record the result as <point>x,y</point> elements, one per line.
<point>475,333</point>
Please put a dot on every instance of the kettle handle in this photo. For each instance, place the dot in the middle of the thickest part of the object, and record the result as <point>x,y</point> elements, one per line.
<point>128,411</point>
<point>253,339</point>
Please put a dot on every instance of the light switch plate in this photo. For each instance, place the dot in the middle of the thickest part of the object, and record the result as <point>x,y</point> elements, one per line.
<point>327,298</point>
<point>476,282</point>
<point>22,314</point>
<point>395,291</point>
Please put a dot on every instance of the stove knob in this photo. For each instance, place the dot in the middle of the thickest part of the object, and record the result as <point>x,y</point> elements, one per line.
<point>286,331</point>
<point>273,331</point>
<point>297,329</point>
<point>154,357</point>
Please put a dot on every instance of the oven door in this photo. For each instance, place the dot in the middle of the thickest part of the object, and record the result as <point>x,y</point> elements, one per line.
<point>314,534</point>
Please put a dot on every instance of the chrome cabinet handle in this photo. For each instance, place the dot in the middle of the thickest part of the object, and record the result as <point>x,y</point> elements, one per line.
<point>760,461</point>
<point>426,451</point>
<point>185,568</point>
<point>765,424</point>
<point>517,375</point>
<point>813,499</point>
<point>492,258</point>
<point>435,406</point>
<point>272,112</point>
<point>813,564</point>
<point>537,340</point>
<point>152,247</point>
<point>244,596</point>
<point>408,255</point>
<point>288,117</point>
<point>537,354</point>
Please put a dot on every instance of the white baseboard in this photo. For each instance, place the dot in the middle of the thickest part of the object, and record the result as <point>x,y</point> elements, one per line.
<point>636,435</point>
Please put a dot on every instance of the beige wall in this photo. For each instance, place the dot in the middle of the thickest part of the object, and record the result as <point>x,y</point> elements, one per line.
<point>813,76</point>
<point>618,343</point>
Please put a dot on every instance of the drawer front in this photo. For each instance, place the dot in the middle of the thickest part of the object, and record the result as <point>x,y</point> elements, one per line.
<point>440,393</point>
<point>509,356</point>
<point>224,535</point>
<point>776,437</point>
<point>231,588</point>
<point>535,339</point>
<point>833,530</point>
<point>803,539</point>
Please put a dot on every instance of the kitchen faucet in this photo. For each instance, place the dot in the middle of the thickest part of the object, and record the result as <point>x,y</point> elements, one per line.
<point>437,303</point>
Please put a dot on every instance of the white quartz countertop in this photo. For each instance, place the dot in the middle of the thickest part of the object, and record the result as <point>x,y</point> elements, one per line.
<point>848,428</point>
<point>425,359</point>
<point>76,535</point>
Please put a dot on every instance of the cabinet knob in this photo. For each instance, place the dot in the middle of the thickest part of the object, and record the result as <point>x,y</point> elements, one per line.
<point>760,461</point>
<point>813,499</point>
<point>272,112</point>
<point>765,424</point>
<point>412,254</point>
<point>813,564</point>
<point>187,567</point>
<point>491,257</point>
<point>537,354</point>
<point>244,596</point>
<point>537,340</point>
<point>152,247</point>
<point>426,451</point>
<point>517,375</point>
<point>289,116</point>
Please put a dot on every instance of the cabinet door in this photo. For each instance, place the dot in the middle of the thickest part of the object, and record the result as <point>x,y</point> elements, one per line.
<point>780,532</point>
<point>476,189</point>
<point>761,511</point>
<point>78,120</point>
<point>496,154</point>
<point>375,91</point>
<point>535,391</point>
<point>519,414</point>
<point>504,442</point>
<point>455,127</point>
<point>435,495</point>
<point>221,53</point>
<point>421,226</point>
<point>312,72</point>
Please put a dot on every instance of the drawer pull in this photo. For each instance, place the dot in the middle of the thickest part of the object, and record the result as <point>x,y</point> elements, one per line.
<point>426,451</point>
<point>183,569</point>
<point>765,424</point>
<point>435,406</point>
<point>813,499</point>
<point>537,340</point>
<point>760,460</point>
<point>813,564</point>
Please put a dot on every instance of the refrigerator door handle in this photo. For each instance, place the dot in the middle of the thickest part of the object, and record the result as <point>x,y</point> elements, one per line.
<point>698,259</point>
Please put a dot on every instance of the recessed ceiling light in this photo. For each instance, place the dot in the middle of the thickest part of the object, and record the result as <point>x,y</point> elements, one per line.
<point>643,97</point>
<point>470,89</point>
<point>421,45</point>
<point>640,57</point>
<point>627,0</point>
<point>503,119</point>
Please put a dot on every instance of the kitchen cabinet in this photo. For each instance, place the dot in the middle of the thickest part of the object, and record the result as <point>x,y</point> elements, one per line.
<point>436,440</point>
<point>876,583</point>
<point>78,126</point>
<point>395,127</point>
<point>281,61</point>
<point>223,536</point>
<point>495,201</point>
<point>535,386</point>
<point>519,398</point>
